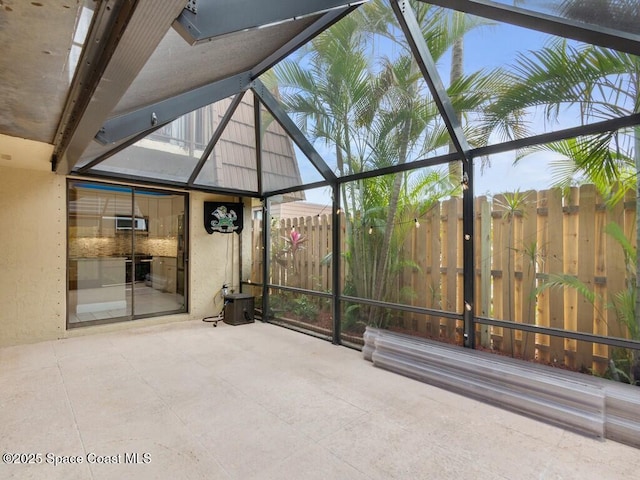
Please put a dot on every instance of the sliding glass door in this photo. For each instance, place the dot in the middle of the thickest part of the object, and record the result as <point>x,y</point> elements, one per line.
<point>127,251</point>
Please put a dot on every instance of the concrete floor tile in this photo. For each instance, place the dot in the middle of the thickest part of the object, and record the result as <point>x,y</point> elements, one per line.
<point>149,443</point>
<point>25,357</point>
<point>220,406</point>
<point>83,346</point>
<point>39,428</point>
<point>248,447</point>
<point>36,418</point>
<point>261,402</point>
<point>49,469</point>
<point>311,463</point>
<point>97,401</point>
<point>97,368</point>
<point>380,449</point>
<point>179,381</point>
<point>148,350</point>
<point>302,403</point>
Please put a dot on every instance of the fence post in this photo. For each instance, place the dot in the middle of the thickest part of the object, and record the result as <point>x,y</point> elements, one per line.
<point>497,269</point>
<point>530,251</point>
<point>450,264</point>
<point>483,257</point>
<point>433,282</point>
<point>420,256</point>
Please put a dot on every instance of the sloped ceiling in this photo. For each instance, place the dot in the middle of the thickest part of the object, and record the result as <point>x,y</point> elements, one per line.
<point>138,55</point>
<point>131,57</point>
<point>35,74</point>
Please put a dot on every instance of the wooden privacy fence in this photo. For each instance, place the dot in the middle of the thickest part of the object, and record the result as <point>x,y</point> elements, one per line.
<point>309,267</point>
<point>528,238</point>
<point>522,240</point>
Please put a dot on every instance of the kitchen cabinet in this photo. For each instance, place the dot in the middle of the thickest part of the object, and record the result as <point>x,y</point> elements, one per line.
<point>177,209</point>
<point>164,274</point>
<point>154,221</point>
<point>142,206</point>
<point>108,214</point>
<point>164,216</point>
<point>100,284</point>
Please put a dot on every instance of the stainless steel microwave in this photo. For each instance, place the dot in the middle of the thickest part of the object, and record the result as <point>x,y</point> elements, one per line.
<point>127,223</point>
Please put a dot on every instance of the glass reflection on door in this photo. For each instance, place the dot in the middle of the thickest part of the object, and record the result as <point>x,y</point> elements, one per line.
<point>159,254</point>
<point>100,246</point>
<point>126,253</point>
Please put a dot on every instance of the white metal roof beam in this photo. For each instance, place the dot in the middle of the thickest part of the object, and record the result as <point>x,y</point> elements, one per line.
<point>205,19</point>
<point>165,111</point>
<point>112,59</point>
<point>132,123</point>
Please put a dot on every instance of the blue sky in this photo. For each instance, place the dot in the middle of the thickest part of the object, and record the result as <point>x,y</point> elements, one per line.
<point>487,48</point>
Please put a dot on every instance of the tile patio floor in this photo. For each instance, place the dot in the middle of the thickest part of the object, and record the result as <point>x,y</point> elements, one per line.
<point>258,401</point>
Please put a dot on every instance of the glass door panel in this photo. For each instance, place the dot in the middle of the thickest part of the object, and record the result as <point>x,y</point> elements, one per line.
<point>127,251</point>
<point>159,259</point>
<point>100,245</point>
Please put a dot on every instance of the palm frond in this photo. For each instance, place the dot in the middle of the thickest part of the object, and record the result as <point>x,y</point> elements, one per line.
<point>568,281</point>
<point>624,304</point>
<point>616,232</point>
<point>588,159</point>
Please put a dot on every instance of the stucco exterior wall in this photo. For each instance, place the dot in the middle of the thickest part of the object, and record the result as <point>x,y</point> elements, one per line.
<point>33,258</point>
<point>213,260</point>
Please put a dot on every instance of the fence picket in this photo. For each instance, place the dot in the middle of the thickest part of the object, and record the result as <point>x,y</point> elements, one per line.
<point>542,304</point>
<point>497,269</point>
<point>324,243</point>
<point>530,261</point>
<point>600,285</point>
<point>615,274</point>
<point>555,266</point>
<point>406,280</point>
<point>517,248</point>
<point>458,305</point>
<point>586,272</point>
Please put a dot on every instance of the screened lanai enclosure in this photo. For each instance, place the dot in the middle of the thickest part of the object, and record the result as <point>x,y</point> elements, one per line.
<point>458,170</point>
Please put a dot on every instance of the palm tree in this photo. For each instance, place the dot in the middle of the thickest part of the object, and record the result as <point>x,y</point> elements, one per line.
<point>375,112</point>
<point>599,83</point>
<point>327,87</point>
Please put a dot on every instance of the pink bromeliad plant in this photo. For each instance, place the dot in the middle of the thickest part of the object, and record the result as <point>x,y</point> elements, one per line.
<point>292,244</point>
<point>285,253</point>
<point>295,241</point>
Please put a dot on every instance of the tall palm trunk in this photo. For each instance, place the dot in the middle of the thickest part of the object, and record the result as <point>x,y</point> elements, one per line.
<point>382,265</point>
<point>382,270</point>
<point>457,56</point>
<point>356,273</point>
<point>455,172</point>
